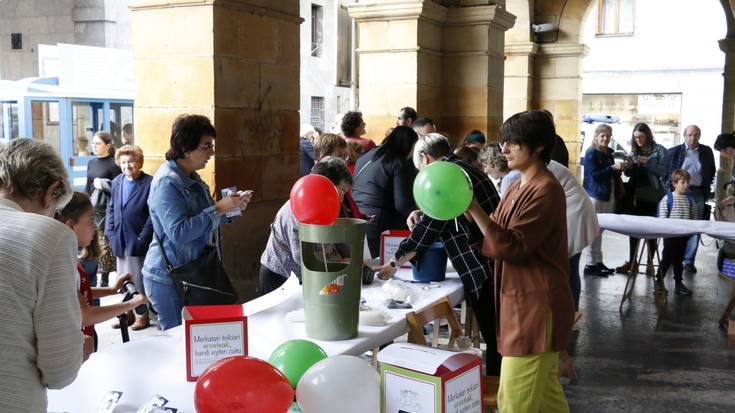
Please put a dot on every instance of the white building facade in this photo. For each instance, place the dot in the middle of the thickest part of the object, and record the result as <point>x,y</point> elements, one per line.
<point>326,62</point>
<point>632,75</point>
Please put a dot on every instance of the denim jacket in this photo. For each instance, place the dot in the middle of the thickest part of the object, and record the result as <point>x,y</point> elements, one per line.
<point>184,218</point>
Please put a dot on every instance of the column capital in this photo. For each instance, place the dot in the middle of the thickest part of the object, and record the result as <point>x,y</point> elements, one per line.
<point>564,49</point>
<point>727,44</point>
<point>521,49</point>
<point>472,15</point>
<point>379,10</point>
<point>279,10</point>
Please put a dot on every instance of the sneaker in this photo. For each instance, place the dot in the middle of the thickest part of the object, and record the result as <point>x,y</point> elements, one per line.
<point>691,268</point>
<point>603,268</point>
<point>593,271</point>
<point>682,289</point>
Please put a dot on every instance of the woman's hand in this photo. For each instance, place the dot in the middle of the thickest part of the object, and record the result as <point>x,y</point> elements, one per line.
<point>233,202</point>
<point>414,218</point>
<point>643,160</point>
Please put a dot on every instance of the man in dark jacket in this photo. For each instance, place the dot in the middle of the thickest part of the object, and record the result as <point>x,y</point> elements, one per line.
<point>699,161</point>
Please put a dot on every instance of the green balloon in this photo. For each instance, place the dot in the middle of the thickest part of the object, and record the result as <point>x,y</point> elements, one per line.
<point>442,190</point>
<point>294,357</point>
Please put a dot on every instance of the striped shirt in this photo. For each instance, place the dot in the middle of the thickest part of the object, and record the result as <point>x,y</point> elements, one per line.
<point>681,207</point>
<point>458,234</point>
<point>40,340</point>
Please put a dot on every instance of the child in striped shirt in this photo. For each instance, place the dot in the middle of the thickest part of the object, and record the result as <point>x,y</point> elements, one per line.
<point>677,204</point>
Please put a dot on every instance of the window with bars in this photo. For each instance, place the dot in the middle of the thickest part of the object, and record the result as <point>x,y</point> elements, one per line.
<point>317,112</point>
<point>615,17</point>
<point>317,18</point>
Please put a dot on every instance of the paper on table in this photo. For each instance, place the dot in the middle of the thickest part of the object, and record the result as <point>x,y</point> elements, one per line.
<point>414,357</point>
<point>273,298</point>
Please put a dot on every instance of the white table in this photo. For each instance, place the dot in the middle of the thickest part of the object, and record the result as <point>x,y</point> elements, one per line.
<point>157,364</point>
<point>650,228</point>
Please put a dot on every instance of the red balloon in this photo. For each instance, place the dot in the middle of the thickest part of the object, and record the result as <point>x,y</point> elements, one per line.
<point>242,384</point>
<point>315,200</point>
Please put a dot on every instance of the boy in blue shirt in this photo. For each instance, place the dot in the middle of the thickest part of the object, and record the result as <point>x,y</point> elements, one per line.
<point>677,204</point>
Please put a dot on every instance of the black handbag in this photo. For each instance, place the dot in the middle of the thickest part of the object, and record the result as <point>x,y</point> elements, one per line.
<point>202,281</point>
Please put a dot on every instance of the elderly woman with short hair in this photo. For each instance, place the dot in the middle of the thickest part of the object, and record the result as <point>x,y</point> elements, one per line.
<point>40,334</point>
<point>128,225</point>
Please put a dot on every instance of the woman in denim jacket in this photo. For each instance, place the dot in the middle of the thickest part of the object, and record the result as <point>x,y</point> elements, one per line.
<point>644,190</point>
<point>185,217</point>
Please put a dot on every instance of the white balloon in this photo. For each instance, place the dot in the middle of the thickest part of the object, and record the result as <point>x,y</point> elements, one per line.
<point>339,384</point>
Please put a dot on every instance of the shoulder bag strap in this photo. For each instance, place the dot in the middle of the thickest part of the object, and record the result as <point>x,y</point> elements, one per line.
<point>169,267</point>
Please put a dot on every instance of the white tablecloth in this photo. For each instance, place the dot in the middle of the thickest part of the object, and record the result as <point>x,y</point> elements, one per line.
<point>157,365</point>
<point>653,227</point>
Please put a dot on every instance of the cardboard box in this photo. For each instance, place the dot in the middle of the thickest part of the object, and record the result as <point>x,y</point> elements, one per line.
<point>389,242</point>
<point>213,333</point>
<point>423,379</point>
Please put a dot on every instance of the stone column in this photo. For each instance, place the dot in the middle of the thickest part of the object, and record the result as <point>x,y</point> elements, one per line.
<point>473,69</point>
<point>519,62</point>
<point>237,62</point>
<point>559,90</point>
<point>399,60</point>
<point>724,172</point>
<point>447,62</point>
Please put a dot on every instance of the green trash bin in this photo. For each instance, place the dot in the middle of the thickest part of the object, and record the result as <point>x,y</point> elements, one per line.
<point>332,291</point>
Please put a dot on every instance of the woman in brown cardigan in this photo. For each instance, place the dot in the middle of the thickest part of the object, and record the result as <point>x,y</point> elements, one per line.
<point>527,237</point>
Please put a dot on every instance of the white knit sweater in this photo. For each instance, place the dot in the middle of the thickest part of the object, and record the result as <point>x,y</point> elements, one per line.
<point>40,337</point>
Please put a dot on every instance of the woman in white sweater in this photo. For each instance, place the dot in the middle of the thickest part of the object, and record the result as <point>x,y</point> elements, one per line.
<point>40,337</point>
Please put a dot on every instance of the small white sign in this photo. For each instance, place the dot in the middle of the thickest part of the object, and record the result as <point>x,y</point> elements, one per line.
<point>463,394</point>
<point>213,342</point>
<point>408,394</point>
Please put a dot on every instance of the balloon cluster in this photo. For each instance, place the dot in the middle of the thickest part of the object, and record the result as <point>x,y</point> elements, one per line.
<point>300,367</point>
<point>315,200</point>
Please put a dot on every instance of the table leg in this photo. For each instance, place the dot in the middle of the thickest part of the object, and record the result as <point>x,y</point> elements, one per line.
<point>632,274</point>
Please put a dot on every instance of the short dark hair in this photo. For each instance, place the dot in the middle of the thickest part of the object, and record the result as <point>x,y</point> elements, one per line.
<point>409,113</point>
<point>350,122</point>
<point>422,121</point>
<point>475,136</point>
<point>186,133</point>
<point>334,169</point>
<point>532,129</point>
<point>724,141</point>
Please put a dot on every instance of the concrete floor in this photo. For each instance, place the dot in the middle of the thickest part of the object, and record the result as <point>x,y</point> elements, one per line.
<point>671,358</point>
<point>637,360</point>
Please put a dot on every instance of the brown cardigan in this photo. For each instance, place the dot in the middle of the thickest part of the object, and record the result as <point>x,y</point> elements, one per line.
<point>527,237</point>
